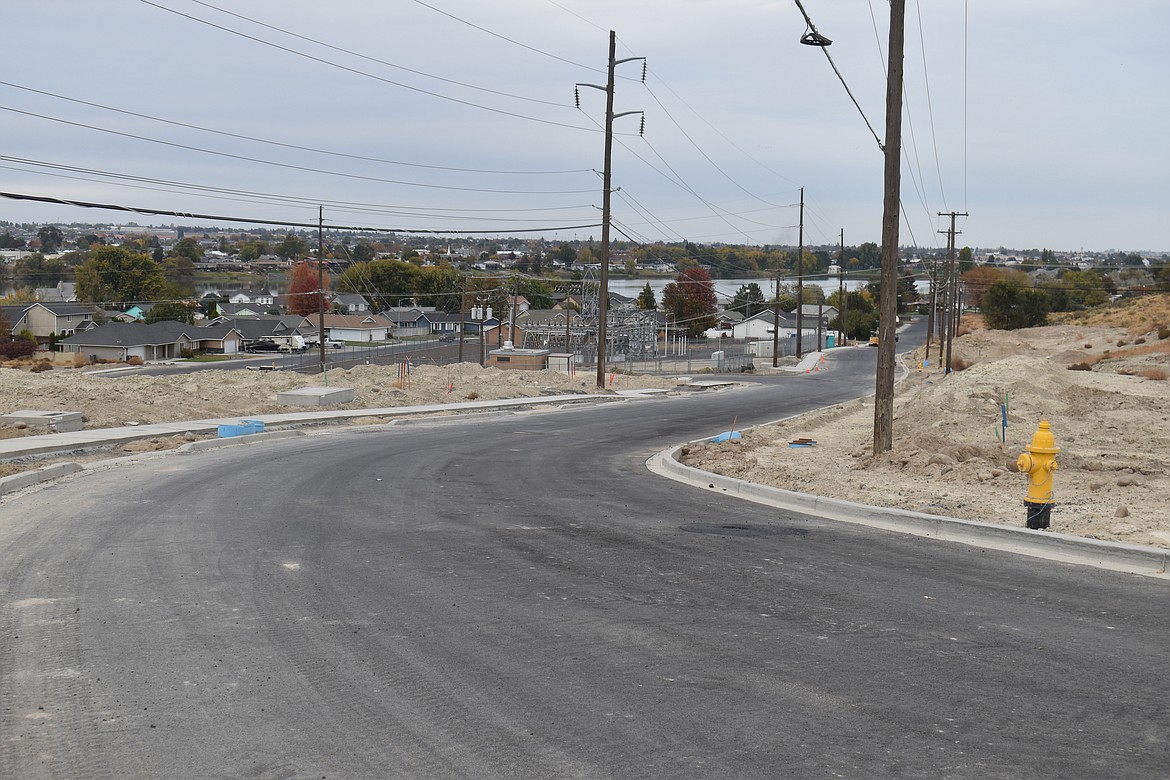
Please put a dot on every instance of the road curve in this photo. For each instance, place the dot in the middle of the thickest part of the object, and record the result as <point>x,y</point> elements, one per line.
<point>515,596</point>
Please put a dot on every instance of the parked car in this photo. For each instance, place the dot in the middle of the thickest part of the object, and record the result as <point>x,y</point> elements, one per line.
<point>333,344</point>
<point>262,346</point>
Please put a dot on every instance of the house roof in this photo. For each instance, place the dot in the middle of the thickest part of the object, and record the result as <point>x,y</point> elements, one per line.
<point>358,321</point>
<point>13,314</point>
<point>65,309</point>
<point>133,334</point>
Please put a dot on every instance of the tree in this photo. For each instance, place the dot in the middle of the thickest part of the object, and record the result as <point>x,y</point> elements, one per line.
<point>9,241</point>
<point>690,298</point>
<point>51,238</point>
<point>171,310</point>
<point>188,248</point>
<point>1010,306</point>
<point>36,270</point>
<point>565,255</point>
<point>180,273</point>
<point>292,248</point>
<point>362,253</point>
<point>646,299</point>
<point>304,295</point>
<point>749,299</point>
<point>1086,288</point>
<point>116,275</point>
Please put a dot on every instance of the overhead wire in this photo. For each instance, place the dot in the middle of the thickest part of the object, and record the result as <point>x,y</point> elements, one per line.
<point>366,74</point>
<point>257,221</point>
<point>288,166</point>
<point>297,147</point>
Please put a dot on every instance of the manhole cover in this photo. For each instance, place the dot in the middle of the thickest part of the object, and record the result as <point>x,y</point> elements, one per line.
<point>741,529</point>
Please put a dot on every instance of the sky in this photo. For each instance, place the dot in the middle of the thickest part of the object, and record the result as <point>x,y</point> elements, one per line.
<point>1045,122</point>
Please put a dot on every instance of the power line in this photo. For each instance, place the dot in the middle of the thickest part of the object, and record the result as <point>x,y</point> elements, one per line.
<point>255,221</point>
<point>288,166</point>
<point>361,158</point>
<point>358,72</point>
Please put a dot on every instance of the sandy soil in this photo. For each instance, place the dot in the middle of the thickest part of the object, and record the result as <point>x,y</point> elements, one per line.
<point>1112,423</point>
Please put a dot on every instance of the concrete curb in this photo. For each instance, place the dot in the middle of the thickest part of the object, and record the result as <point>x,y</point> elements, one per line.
<point>1129,558</point>
<point>215,444</point>
<point>19,481</point>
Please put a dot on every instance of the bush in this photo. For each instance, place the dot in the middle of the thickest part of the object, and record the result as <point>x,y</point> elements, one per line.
<point>18,348</point>
<point>1164,332</point>
<point>1157,374</point>
<point>958,364</point>
<point>134,360</point>
<point>1080,367</point>
<point>1139,341</point>
<point>186,353</point>
<point>1121,342</point>
<point>42,365</point>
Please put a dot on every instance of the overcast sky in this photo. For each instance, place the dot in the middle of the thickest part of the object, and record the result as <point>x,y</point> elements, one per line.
<point>1046,121</point>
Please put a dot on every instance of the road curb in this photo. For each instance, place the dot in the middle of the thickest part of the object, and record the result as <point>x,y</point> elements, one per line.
<point>19,481</point>
<point>1130,558</point>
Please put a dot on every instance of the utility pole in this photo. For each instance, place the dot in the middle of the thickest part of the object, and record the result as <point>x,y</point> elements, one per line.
<point>952,288</point>
<point>321,287</point>
<point>842,306</point>
<point>776,324</point>
<point>800,281</point>
<point>603,297</point>
<point>883,407</point>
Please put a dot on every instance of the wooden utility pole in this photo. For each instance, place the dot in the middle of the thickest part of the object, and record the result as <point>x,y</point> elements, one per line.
<point>603,296</point>
<point>841,305</point>
<point>321,287</point>
<point>776,324</point>
<point>883,408</point>
<point>800,281</point>
<point>952,288</point>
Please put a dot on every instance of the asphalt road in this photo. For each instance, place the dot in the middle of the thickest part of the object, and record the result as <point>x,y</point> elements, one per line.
<point>515,596</point>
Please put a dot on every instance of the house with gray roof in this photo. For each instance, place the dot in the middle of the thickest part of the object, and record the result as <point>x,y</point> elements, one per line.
<point>165,340</point>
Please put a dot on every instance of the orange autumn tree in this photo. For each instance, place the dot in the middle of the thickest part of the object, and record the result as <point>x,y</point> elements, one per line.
<point>303,296</point>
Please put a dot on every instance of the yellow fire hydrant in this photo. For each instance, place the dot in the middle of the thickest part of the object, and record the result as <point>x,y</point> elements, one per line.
<point>1038,463</point>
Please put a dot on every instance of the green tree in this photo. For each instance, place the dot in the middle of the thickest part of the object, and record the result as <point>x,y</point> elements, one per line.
<point>113,274</point>
<point>292,248</point>
<point>966,259</point>
<point>362,253</point>
<point>9,241</point>
<point>691,300</point>
<point>565,255</point>
<point>1010,306</point>
<point>180,273</point>
<point>36,270</point>
<point>188,248</point>
<point>749,299</point>
<point>1086,288</point>
<point>51,239</point>
<point>646,299</point>
<point>171,310</point>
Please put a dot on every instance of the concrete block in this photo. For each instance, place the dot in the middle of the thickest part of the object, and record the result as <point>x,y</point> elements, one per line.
<point>49,422</point>
<point>316,396</point>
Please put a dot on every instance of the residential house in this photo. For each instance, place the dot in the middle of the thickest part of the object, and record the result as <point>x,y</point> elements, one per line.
<point>253,329</point>
<point>64,292</point>
<point>121,341</point>
<point>408,322</point>
<point>364,328</point>
<point>45,318</point>
<point>350,303</point>
<point>227,309</point>
<point>14,317</point>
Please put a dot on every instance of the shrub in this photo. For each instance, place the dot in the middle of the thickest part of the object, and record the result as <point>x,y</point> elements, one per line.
<point>1157,374</point>
<point>186,353</point>
<point>1088,346</point>
<point>471,396</point>
<point>1121,342</point>
<point>18,348</point>
<point>80,359</point>
<point>1139,341</point>
<point>958,364</point>
<point>134,360</point>
<point>1164,332</point>
<point>1080,367</point>
<point>42,365</point>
